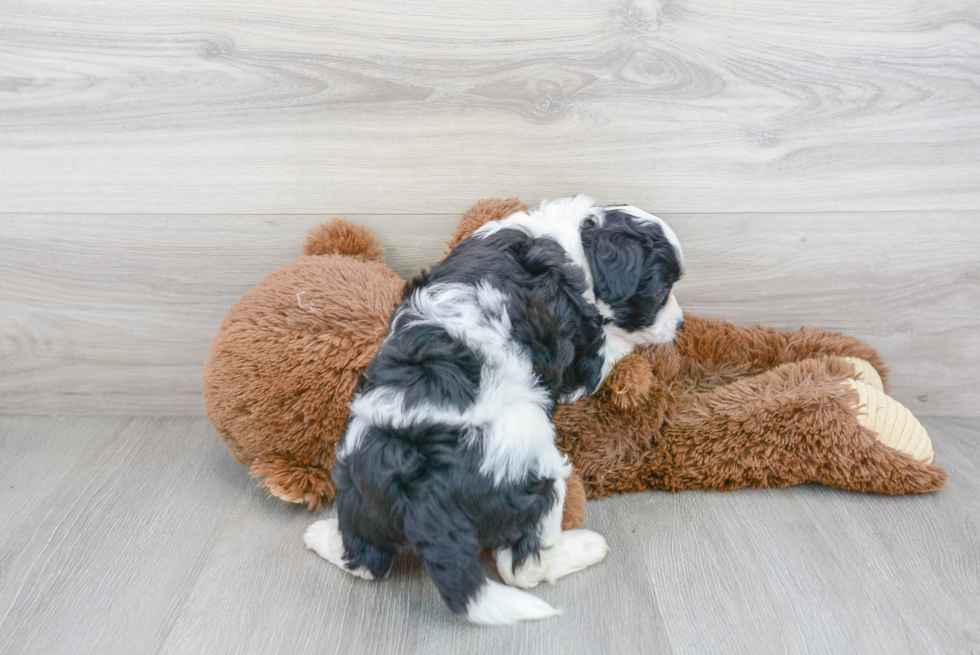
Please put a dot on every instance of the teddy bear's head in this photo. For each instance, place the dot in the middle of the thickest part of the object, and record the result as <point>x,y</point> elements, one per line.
<point>288,356</point>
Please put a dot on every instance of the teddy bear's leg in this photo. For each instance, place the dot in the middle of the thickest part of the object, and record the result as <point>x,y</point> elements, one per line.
<point>808,421</point>
<point>561,553</point>
<point>715,353</point>
<point>573,512</point>
<point>293,480</point>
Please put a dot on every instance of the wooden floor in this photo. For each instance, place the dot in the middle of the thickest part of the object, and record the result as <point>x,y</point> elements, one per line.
<point>142,535</point>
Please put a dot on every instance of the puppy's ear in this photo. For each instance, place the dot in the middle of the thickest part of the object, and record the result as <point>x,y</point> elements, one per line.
<point>616,260</point>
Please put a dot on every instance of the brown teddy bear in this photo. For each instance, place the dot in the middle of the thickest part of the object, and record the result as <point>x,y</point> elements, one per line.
<point>722,407</point>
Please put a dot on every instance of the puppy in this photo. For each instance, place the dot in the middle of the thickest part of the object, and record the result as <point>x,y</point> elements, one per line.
<point>450,447</point>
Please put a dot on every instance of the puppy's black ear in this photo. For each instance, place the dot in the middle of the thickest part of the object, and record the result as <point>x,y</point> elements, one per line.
<point>616,260</point>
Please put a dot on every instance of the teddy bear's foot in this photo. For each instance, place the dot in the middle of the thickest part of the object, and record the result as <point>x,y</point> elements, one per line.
<point>285,494</point>
<point>293,480</point>
<point>575,550</point>
<point>324,538</point>
<point>892,423</point>
<point>865,372</point>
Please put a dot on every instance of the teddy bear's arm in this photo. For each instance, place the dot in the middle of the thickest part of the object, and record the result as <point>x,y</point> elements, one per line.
<point>484,211</point>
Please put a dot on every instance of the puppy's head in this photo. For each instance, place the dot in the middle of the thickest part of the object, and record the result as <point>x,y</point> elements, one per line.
<point>635,259</point>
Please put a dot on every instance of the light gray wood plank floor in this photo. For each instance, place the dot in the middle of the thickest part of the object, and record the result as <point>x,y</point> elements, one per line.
<point>142,535</point>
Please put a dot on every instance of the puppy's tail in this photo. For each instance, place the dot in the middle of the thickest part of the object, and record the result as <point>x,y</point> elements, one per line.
<point>497,604</point>
<point>448,546</point>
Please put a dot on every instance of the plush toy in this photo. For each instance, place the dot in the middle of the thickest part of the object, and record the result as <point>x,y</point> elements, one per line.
<point>722,407</point>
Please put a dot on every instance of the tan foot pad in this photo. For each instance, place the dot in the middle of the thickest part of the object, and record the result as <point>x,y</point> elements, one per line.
<point>865,372</point>
<point>892,422</point>
<point>284,495</point>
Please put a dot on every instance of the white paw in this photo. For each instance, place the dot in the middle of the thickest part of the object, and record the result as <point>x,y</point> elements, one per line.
<point>527,575</point>
<point>574,551</point>
<point>324,538</point>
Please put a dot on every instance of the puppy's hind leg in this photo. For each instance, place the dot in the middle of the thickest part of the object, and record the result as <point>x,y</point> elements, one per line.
<point>350,552</point>
<point>561,553</point>
<point>448,546</point>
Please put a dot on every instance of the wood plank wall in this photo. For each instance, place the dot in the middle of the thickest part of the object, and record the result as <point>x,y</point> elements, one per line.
<point>820,161</point>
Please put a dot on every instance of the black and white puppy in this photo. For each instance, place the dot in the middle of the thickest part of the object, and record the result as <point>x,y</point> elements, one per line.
<point>450,446</point>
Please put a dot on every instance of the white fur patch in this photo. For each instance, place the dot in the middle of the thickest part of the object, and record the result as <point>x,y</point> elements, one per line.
<point>323,537</point>
<point>497,604</point>
<point>573,396</point>
<point>618,345</point>
<point>574,550</point>
<point>561,552</point>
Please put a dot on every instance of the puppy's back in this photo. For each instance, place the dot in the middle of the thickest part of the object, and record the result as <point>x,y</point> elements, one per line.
<point>450,446</point>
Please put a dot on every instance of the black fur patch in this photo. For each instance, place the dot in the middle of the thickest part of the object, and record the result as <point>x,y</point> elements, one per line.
<point>428,365</point>
<point>634,266</point>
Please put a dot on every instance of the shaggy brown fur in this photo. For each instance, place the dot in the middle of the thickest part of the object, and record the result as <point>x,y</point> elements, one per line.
<point>287,358</point>
<point>794,423</point>
<point>340,237</point>
<point>723,407</point>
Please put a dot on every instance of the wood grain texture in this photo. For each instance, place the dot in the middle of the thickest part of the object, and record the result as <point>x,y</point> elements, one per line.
<point>39,456</point>
<point>813,569</point>
<point>114,314</point>
<point>102,560</point>
<point>98,307</point>
<point>124,535</point>
<point>237,106</point>
<point>294,602</point>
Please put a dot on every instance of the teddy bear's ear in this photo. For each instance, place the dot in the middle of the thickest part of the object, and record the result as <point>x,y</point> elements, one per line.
<point>484,211</point>
<point>340,237</point>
